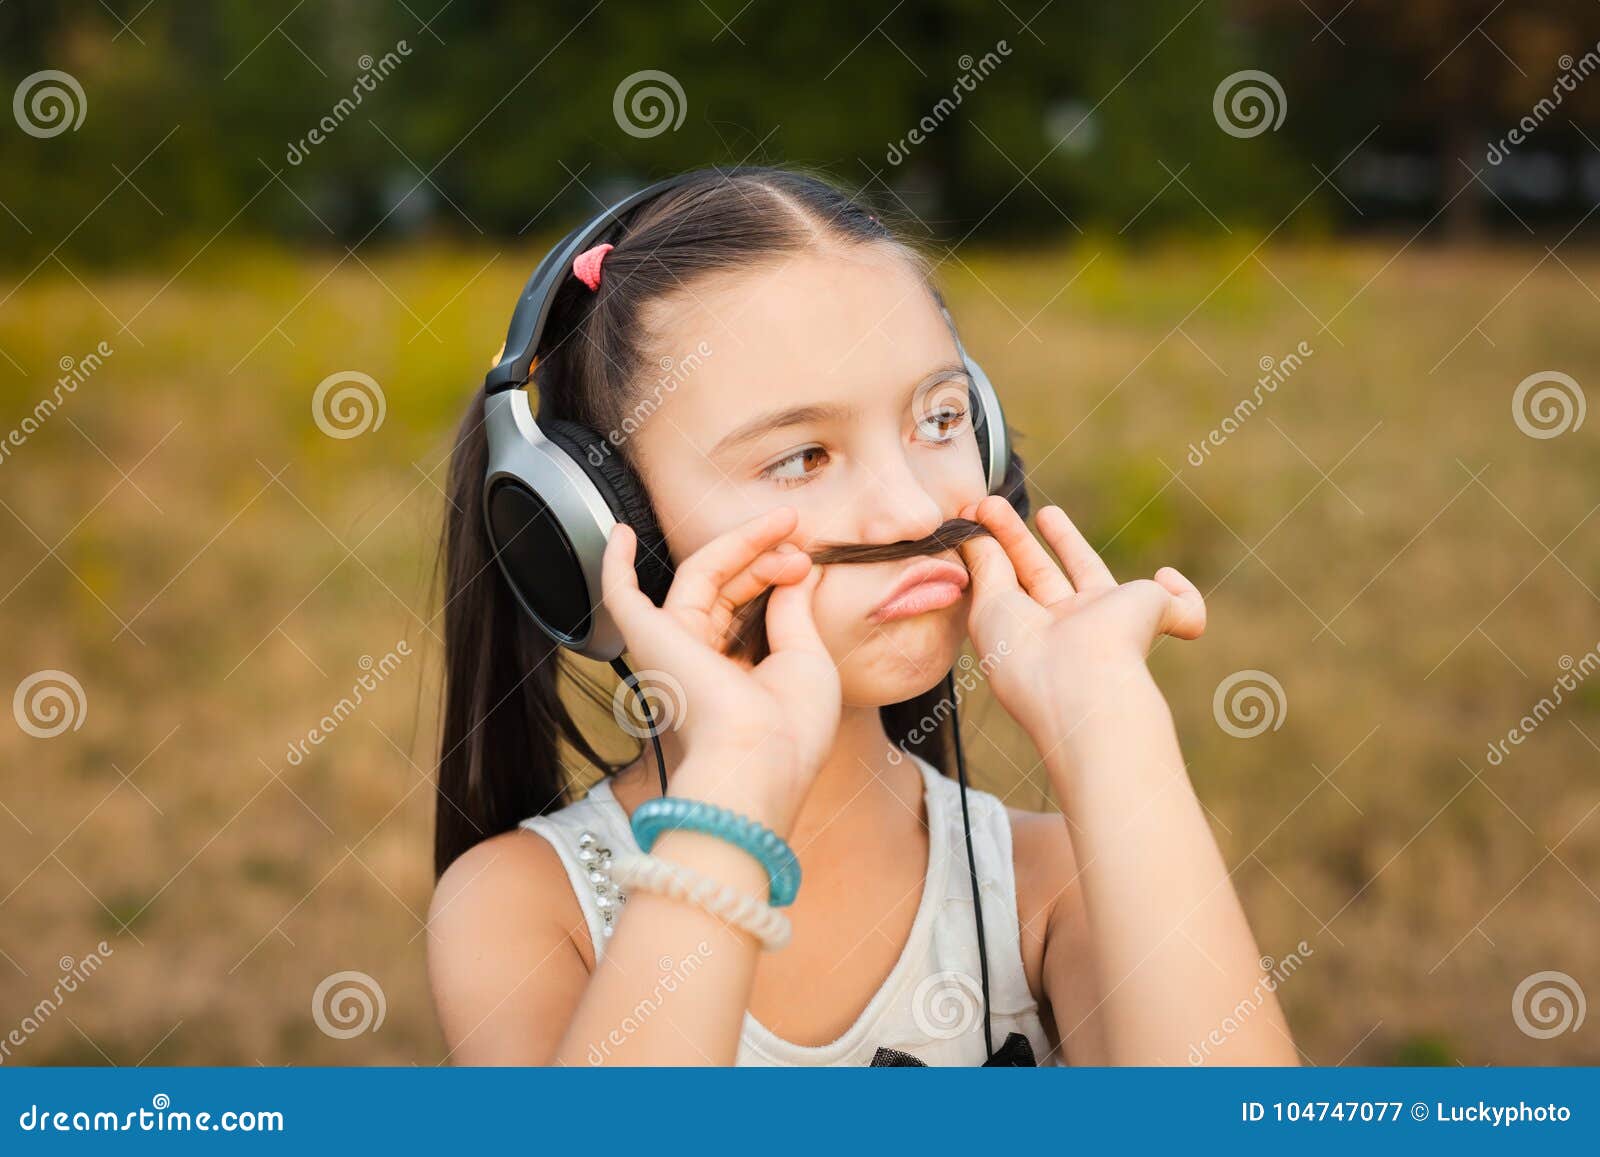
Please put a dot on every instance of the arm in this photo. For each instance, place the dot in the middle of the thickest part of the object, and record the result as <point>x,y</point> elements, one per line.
<point>503,956</point>
<point>1156,916</point>
<point>1173,954</point>
<point>510,981</point>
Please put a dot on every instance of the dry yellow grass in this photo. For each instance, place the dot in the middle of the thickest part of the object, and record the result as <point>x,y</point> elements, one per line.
<point>1380,536</point>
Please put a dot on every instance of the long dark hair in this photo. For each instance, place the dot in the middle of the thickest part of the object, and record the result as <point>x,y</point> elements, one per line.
<point>505,720</point>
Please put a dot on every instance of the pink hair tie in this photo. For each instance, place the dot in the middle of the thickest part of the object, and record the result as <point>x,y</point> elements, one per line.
<point>586,266</point>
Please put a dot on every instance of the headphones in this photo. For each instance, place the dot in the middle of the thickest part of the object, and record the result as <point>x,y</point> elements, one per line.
<point>555,488</point>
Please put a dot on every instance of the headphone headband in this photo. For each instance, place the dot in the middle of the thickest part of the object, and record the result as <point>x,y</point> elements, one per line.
<point>533,307</point>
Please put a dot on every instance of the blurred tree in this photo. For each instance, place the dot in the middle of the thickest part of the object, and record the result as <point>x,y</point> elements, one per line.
<point>1447,77</point>
<point>235,117</point>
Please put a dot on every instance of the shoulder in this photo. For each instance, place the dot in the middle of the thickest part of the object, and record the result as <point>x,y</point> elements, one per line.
<point>507,940</point>
<point>517,870</point>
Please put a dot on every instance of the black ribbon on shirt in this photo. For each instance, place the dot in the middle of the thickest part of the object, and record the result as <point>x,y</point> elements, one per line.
<point>1014,1053</point>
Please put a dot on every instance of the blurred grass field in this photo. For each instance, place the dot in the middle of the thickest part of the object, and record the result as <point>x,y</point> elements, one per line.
<point>1380,536</point>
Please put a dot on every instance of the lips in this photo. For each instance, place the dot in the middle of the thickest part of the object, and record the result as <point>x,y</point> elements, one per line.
<point>929,584</point>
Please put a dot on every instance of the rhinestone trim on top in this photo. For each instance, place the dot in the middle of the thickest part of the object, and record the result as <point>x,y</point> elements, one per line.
<point>608,898</point>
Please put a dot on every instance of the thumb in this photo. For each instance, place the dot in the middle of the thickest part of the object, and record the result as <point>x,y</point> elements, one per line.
<point>990,567</point>
<point>790,623</point>
<point>1186,609</point>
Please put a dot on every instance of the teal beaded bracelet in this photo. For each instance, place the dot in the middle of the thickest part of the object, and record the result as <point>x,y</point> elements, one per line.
<point>655,816</point>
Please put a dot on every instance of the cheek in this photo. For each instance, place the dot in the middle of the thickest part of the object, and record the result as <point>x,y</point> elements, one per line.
<point>885,663</point>
<point>954,476</point>
<point>837,609</point>
<point>692,512</point>
<point>692,502</point>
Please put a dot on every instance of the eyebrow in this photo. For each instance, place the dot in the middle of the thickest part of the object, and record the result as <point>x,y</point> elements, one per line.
<point>820,412</point>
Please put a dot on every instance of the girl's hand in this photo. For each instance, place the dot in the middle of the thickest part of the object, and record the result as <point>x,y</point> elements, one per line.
<point>774,722</point>
<point>1067,637</point>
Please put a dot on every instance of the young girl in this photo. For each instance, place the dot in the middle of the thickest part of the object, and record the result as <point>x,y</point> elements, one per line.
<point>827,403</point>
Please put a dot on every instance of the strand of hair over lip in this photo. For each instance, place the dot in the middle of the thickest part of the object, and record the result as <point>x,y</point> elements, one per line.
<point>747,638</point>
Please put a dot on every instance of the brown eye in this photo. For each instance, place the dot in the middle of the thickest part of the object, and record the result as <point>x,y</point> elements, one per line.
<point>797,467</point>
<point>942,423</point>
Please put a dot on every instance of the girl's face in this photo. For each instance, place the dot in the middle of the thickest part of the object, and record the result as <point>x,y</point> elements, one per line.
<point>828,382</point>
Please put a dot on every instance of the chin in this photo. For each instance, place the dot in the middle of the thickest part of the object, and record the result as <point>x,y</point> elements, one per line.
<point>901,660</point>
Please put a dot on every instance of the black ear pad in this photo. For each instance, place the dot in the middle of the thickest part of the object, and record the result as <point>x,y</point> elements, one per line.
<point>624,493</point>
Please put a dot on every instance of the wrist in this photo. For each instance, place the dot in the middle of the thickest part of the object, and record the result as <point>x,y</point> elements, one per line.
<point>741,783</point>
<point>1110,709</point>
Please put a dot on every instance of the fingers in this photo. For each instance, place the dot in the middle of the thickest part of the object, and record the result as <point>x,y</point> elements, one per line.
<point>1083,563</point>
<point>784,564</point>
<point>790,623</point>
<point>700,580</point>
<point>1186,609</point>
<point>1035,569</point>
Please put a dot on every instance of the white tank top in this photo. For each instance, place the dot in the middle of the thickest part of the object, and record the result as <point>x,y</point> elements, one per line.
<point>931,1005</point>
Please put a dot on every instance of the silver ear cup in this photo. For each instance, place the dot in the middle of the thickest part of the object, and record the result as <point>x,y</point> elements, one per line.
<point>549,524</point>
<point>989,423</point>
<point>988,419</point>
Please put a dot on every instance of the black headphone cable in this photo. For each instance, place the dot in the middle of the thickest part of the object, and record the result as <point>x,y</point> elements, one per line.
<point>972,863</point>
<point>632,680</point>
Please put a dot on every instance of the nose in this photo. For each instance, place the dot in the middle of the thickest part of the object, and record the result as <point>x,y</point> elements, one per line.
<point>894,505</point>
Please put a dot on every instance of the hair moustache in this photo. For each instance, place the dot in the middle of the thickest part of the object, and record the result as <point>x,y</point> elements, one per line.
<point>747,638</point>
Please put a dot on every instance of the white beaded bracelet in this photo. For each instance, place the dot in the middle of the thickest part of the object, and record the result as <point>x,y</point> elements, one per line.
<point>760,919</point>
